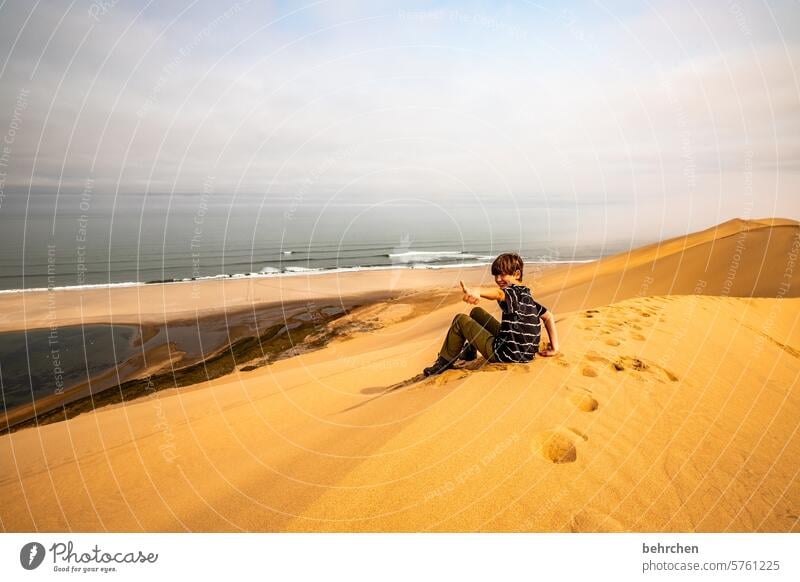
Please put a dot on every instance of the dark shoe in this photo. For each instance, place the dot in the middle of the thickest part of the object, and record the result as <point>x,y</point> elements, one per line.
<point>439,366</point>
<point>468,353</point>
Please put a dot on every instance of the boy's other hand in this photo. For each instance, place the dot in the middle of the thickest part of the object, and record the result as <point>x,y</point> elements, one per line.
<point>469,295</point>
<point>549,352</point>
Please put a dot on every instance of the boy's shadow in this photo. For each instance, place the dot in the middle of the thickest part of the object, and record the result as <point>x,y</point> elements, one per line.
<point>393,387</point>
<point>382,391</point>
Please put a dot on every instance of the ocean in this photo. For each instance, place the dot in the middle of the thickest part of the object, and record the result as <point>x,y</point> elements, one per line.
<point>76,240</point>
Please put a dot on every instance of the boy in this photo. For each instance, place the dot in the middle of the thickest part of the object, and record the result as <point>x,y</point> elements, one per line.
<point>515,339</point>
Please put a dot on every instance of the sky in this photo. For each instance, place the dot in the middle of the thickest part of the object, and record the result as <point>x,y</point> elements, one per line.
<point>661,115</point>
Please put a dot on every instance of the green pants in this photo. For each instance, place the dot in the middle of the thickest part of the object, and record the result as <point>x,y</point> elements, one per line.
<point>478,328</point>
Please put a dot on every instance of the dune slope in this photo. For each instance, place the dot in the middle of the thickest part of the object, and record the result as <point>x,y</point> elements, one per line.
<point>738,258</point>
<point>663,413</point>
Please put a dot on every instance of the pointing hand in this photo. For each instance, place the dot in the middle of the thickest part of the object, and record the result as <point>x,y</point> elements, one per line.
<point>470,296</point>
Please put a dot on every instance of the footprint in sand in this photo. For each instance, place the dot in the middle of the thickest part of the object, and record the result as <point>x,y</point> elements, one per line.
<point>612,342</point>
<point>589,372</point>
<point>584,402</point>
<point>627,362</point>
<point>556,446</point>
<point>637,336</point>
<point>623,363</point>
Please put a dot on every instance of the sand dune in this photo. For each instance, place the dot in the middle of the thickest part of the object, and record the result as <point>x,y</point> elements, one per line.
<point>738,258</point>
<point>673,407</point>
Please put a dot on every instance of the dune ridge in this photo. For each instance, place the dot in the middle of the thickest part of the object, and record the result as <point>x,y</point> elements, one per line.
<point>738,258</point>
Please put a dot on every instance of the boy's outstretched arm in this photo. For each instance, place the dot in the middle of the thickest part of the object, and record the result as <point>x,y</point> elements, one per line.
<point>550,325</point>
<point>474,294</point>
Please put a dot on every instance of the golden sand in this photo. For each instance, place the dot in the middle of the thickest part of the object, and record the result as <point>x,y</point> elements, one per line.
<point>674,406</point>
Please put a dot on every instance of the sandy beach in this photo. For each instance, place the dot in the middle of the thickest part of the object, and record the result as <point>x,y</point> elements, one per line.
<point>673,406</point>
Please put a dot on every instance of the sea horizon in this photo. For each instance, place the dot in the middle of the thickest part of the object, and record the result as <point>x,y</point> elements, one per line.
<point>102,246</point>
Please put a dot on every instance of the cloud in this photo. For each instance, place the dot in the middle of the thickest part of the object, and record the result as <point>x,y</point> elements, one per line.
<point>374,103</point>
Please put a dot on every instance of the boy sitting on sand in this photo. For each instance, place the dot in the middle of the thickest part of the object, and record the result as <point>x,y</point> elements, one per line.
<point>514,339</point>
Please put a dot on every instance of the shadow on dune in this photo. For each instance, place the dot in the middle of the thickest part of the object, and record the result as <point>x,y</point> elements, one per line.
<point>462,370</point>
<point>383,391</point>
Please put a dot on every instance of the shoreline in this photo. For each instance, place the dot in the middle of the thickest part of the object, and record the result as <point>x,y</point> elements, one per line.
<point>162,303</point>
<point>271,275</point>
<point>273,334</point>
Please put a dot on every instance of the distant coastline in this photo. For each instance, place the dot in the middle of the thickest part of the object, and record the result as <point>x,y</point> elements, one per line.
<point>285,272</point>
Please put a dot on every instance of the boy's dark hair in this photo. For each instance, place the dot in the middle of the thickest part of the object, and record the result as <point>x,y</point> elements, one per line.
<point>508,264</point>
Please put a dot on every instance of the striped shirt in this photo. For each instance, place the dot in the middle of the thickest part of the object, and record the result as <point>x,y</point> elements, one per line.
<point>520,328</point>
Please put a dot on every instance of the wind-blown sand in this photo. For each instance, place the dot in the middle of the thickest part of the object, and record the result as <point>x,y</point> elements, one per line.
<point>674,406</point>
